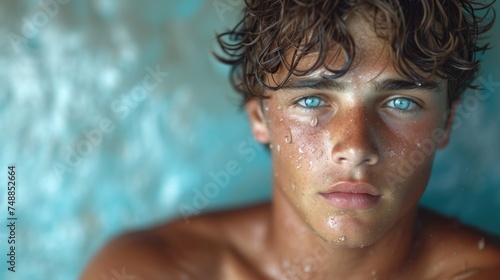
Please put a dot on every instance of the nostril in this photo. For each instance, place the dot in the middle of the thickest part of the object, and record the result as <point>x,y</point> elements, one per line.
<point>355,157</point>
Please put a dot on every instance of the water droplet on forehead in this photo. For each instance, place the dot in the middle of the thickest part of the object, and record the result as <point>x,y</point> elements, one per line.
<point>342,238</point>
<point>314,122</point>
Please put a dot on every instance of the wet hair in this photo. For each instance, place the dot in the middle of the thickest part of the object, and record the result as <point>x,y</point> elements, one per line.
<point>427,38</point>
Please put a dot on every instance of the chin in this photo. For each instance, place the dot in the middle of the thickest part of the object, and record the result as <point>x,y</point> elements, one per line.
<point>351,231</point>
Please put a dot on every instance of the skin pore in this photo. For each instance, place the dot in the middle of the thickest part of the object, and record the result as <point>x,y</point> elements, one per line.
<point>372,127</point>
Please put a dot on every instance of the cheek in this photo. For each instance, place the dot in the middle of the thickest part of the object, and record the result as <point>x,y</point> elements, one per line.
<point>408,157</point>
<point>299,148</point>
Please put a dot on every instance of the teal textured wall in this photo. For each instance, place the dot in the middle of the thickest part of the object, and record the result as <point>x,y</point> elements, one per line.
<point>116,116</point>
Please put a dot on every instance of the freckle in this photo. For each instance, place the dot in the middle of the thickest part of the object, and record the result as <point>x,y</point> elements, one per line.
<point>314,122</point>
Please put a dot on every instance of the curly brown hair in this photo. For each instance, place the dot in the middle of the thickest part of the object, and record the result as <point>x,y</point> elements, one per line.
<point>427,38</point>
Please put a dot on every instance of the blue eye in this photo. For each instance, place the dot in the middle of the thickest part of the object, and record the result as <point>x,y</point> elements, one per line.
<point>401,103</point>
<point>311,102</point>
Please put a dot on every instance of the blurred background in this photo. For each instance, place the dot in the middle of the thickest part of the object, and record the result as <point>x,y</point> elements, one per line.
<point>117,117</point>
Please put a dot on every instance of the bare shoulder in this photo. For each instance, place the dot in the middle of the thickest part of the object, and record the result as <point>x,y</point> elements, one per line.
<point>453,250</point>
<point>199,249</point>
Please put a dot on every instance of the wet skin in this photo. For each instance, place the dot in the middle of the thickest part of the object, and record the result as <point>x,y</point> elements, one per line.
<point>362,128</point>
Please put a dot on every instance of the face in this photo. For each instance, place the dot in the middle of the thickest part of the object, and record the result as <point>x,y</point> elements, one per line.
<point>352,156</point>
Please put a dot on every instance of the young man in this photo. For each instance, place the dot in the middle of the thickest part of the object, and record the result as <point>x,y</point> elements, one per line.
<point>345,93</point>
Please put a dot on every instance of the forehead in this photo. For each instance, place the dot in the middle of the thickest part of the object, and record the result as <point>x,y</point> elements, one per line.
<point>372,55</point>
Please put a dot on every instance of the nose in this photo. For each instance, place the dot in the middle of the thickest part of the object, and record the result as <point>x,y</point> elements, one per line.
<point>354,139</point>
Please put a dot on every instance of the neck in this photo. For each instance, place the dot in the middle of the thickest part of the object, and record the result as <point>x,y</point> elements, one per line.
<point>303,254</point>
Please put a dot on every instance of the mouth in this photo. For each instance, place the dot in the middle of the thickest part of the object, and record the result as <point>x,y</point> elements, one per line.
<point>352,196</point>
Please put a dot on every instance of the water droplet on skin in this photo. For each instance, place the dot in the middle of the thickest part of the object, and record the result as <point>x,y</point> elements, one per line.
<point>342,238</point>
<point>301,151</point>
<point>288,136</point>
<point>299,166</point>
<point>278,148</point>
<point>418,84</point>
<point>281,119</point>
<point>307,268</point>
<point>310,165</point>
<point>314,122</point>
<point>374,272</point>
<point>332,223</point>
<point>293,187</point>
<point>271,146</point>
<point>481,244</point>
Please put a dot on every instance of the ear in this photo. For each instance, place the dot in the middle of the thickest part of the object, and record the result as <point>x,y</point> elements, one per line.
<point>258,121</point>
<point>445,139</point>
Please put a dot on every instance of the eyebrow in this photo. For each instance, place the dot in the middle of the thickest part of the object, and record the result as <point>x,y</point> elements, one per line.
<point>386,85</point>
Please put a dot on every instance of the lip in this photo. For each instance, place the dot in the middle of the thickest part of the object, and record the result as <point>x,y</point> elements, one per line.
<point>355,196</point>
